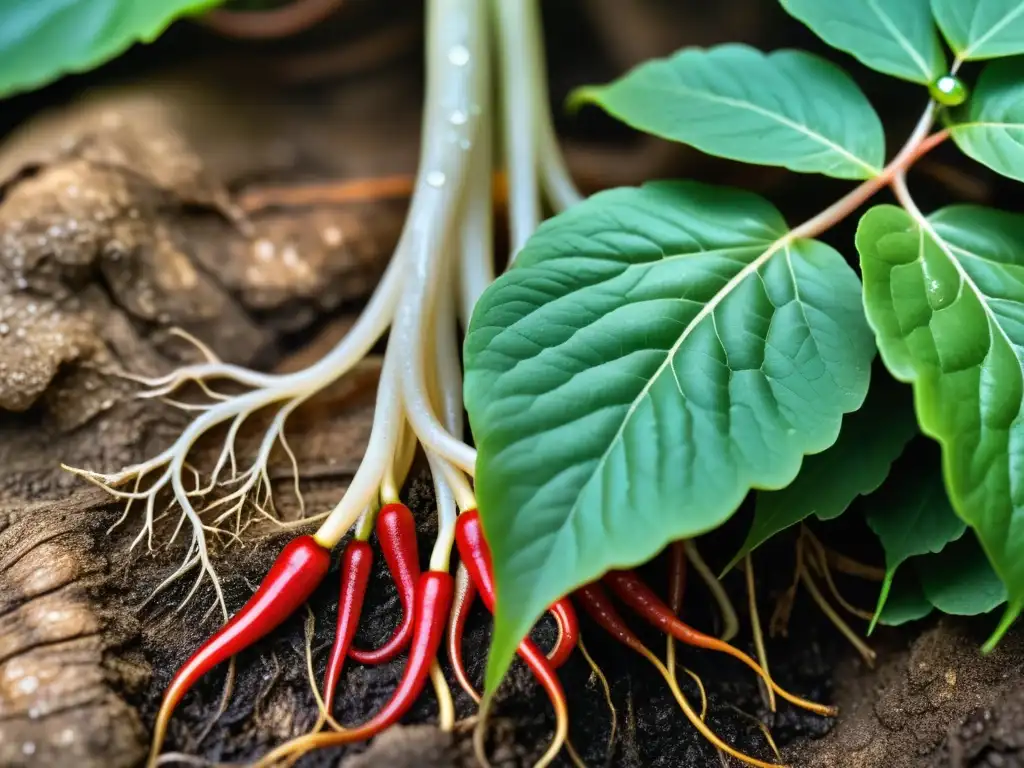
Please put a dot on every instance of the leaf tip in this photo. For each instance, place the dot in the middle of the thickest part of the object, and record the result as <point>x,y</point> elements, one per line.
<point>499,656</point>
<point>874,623</point>
<point>734,562</point>
<point>1010,615</point>
<point>581,96</point>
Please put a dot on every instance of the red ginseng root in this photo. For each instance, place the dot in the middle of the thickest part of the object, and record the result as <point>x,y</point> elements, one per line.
<point>356,564</point>
<point>476,557</point>
<point>396,531</point>
<point>296,572</point>
<point>600,609</point>
<point>465,592</point>
<point>568,632</point>
<point>433,601</point>
<point>632,591</point>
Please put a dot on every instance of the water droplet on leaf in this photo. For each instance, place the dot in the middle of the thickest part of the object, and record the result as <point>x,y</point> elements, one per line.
<point>940,294</point>
<point>949,91</point>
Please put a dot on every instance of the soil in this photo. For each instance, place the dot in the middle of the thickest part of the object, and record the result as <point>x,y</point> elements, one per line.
<point>130,204</point>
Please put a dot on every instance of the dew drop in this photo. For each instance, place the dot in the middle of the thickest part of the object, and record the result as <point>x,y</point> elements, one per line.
<point>4,329</point>
<point>264,249</point>
<point>436,178</point>
<point>458,117</point>
<point>939,294</point>
<point>290,256</point>
<point>28,748</point>
<point>332,236</point>
<point>458,55</point>
<point>465,144</point>
<point>28,684</point>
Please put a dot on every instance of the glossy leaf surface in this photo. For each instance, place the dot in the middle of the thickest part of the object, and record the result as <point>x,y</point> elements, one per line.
<point>40,40</point>
<point>787,108</point>
<point>991,127</point>
<point>981,29</point>
<point>911,515</point>
<point>959,580</point>
<point>897,38</point>
<point>945,297</point>
<point>653,355</point>
<point>870,441</point>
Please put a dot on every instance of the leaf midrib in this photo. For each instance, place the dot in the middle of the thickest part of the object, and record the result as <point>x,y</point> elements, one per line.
<point>684,91</point>
<point>900,39</point>
<point>994,30</point>
<point>947,250</point>
<point>736,250</point>
<point>705,311</point>
<point>772,248</point>
<point>985,124</point>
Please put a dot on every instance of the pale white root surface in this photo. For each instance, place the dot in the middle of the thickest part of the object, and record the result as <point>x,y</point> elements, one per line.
<point>442,264</point>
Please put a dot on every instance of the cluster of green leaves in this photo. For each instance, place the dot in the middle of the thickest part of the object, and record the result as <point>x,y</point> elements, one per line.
<point>658,353</point>
<point>41,40</point>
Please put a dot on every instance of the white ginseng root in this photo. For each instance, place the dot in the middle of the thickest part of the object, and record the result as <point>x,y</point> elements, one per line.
<point>443,262</point>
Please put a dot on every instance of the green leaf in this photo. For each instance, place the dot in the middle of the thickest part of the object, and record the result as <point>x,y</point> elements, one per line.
<point>945,297</point>
<point>40,40</point>
<point>896,38</point>
<point>654,353</point>
<point>911,515</point>
<point>787,108</point>
<point>870,441</point>
<point>992,130</point>
<point>981,29</point>
<point>906,602</point>
<point>960,580</point>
